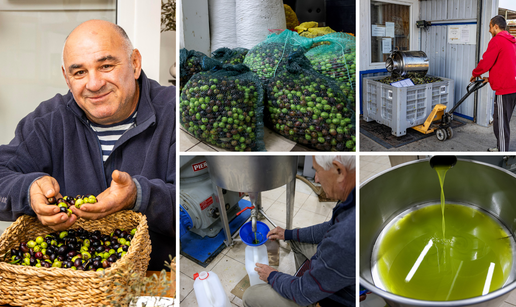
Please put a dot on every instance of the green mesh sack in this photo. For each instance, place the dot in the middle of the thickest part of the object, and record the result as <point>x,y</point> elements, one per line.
<point>309,108</point>
<point>336,59</point>
<point>189,64</point>
<point>223,106</point>
<point>230,56</point>
<point>271,54</point>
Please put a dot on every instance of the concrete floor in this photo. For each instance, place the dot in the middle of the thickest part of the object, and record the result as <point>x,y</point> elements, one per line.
<point>470,137</point>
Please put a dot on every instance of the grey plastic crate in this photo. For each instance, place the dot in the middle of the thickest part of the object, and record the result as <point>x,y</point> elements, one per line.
<point>401,108</point>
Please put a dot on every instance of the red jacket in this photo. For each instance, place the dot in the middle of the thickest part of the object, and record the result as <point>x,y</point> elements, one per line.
<point>500,60</point>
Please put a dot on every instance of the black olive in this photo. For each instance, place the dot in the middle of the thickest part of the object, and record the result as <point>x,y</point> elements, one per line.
<point>62,250</point>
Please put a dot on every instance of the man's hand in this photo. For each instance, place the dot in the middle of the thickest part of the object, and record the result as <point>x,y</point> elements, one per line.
<point>486,80</point>
<point>42,189</point>
<point>264,271</point>
<point>473,78</point>
<point>277,233</point>
<point>119,196</point>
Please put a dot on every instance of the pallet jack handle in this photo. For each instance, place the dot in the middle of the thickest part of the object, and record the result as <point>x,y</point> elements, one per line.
<point>470,89</point>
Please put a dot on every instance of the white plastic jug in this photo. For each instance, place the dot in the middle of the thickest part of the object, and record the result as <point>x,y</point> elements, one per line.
<point>253,255</point>
<point>209,291</point>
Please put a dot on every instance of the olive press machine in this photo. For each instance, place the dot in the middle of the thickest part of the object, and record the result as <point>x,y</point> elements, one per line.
<point>208,181</point>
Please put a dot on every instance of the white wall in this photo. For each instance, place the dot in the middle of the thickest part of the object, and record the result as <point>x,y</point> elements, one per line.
<point>32,33</point>
<point>195,26</point>
<point>141,19</point>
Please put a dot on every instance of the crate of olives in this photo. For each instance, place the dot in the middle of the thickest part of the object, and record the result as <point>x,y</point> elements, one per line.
<point>81,266</point>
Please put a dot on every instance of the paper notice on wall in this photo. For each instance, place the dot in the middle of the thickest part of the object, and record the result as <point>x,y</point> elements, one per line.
<point>462,34</point>
<point>378,30</point>
<point>389,29</point>
<point>386,45</point>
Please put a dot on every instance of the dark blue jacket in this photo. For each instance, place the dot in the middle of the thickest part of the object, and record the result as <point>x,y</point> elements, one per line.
<point>56,140</point>
<point>331,275</point>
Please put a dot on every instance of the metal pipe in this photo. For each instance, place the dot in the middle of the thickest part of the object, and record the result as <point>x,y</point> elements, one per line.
<point>224,218</point>
<point>253,219</point>
<point>268,219</point>
<point>291,189</point>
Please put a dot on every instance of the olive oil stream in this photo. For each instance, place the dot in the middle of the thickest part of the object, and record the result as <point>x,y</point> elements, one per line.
<point>420,256</point>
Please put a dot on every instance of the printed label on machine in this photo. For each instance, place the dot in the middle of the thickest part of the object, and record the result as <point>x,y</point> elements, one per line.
<point>199,166</point>
<point>205,204</point>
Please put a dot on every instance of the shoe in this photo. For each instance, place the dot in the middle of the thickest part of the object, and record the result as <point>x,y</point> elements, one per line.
<point>493,149</point>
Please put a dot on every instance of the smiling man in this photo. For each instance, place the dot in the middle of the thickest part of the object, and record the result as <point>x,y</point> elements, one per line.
<point>111,135</point>
<point>324,254</point>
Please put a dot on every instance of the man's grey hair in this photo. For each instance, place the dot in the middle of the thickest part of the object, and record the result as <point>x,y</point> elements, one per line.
<point>326,161</point>
<point>128,46</point>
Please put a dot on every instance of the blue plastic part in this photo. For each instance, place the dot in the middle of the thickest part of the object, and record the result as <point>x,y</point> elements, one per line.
<point>203,250</point>
<point>185,221</point>
<point>247,234</point>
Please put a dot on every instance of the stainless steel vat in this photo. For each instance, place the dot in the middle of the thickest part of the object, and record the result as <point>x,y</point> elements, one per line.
<point>253,174</point>
<point>400,63</point>
<point>415,183</point>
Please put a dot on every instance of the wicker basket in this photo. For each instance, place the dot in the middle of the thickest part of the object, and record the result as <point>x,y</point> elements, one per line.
<point>31,286</point>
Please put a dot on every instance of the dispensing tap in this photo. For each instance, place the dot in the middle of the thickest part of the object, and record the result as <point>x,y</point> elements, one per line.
<point>443,161</point>
<point>254,216</point>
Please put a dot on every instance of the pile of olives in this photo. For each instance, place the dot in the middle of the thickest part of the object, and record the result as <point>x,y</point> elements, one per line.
<point>230,56</point>
<point>338,64</point>
<point>267,58</point>
<point>66,202</point>
<point>190,66</point>
<point>77,249</point>
<point>222,110</point>
<point>417,79</point>
<point>310,109</point>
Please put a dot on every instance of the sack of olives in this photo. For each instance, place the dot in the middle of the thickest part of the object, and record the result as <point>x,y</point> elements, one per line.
<point>309,108</point>
<point>271,54</point>
<point>230,56</point>
<point>336,60</point>
<point>223,106</point>
<point>190,64</point>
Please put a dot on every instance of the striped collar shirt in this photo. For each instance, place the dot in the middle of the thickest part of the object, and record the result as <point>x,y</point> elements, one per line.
<point>109,135</point>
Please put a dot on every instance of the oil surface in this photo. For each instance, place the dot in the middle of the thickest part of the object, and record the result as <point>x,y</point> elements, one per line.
<point>413,259</point>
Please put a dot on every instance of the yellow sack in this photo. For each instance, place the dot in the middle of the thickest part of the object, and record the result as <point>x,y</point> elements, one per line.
<point>310,29</point>
<point>290,17</point>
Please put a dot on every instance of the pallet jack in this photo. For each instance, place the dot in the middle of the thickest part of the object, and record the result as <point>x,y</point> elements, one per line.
<point>440,121</point>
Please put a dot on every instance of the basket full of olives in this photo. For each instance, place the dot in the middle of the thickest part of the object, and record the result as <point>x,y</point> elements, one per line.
<point>79,266</point>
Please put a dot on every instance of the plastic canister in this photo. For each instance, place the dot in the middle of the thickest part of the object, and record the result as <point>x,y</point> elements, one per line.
<point>255,252</point>
<point>209,291</point>
<point>253,255</point>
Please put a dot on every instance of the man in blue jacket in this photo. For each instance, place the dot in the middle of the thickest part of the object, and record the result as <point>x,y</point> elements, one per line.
<point>327,248</point>
<point>111,135</point>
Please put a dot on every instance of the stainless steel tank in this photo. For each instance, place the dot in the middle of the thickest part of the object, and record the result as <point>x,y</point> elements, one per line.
<point>415,183</point>
<point>400,63</point>
<point>254,174</point>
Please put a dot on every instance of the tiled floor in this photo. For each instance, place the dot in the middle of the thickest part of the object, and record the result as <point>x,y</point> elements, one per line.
<point>372,165</point>
<point>229,265</point>
<point>272,140</point>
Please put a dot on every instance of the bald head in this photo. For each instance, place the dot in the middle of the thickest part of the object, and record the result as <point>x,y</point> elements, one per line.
<point>101,69</point>
<point>98,28</point>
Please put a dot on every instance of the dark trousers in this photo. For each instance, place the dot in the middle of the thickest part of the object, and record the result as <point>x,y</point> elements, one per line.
<point>503,108</point>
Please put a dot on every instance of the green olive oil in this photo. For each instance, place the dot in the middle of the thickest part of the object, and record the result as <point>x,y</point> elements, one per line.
<point>473,258</point>
<point>415,261</point>
<point>441,172</point>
